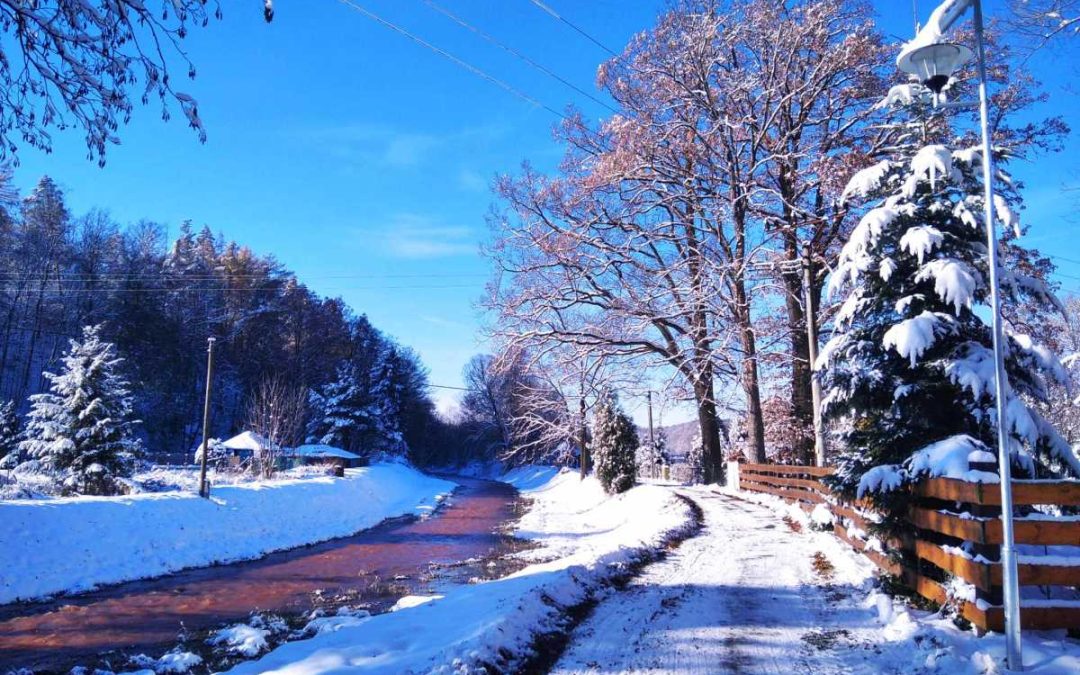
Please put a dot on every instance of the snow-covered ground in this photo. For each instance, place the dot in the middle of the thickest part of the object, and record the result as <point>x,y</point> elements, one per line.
<point>18,484</point>
<point>51,546</point>
<point>751,594</point>
<point>586,538</point>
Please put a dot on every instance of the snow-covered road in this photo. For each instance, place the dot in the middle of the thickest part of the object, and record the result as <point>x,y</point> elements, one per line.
<point>755,592</point>
<point>742,596</point>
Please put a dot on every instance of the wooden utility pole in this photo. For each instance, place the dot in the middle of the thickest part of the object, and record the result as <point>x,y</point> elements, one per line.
<point>652,436</point>
<point>204,488</point>
<point>820,453</point>
<point>583,431</point>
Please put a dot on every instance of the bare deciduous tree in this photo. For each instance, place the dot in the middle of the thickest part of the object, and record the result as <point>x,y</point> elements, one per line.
<point>1041,21</point>
<point>275,412</point>
<point>79,63</point>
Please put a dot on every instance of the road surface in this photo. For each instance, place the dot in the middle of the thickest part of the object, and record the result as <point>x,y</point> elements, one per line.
<point>743,596</point>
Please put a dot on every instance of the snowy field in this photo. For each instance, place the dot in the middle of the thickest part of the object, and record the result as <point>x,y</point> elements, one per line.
<point>586,538</point>
<point>75,544</point>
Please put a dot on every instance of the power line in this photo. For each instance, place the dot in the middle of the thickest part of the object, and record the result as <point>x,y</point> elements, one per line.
<point>446,386</point>
<point>447,55</point>
<point>590,38</point>
<point>222,289</point>
<point>1061,257</point>
<point>120,276</point>
<point>495,41</point>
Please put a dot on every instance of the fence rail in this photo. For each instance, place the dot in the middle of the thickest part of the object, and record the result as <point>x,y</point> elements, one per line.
<point>950,517</point>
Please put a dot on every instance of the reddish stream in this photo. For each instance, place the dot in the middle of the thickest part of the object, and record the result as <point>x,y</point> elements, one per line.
<point>371,568</point>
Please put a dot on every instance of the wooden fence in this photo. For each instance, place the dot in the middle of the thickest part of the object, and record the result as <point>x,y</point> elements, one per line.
<point>957,532</point>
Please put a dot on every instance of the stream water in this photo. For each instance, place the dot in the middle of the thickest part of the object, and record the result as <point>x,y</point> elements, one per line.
<point>465,539</point>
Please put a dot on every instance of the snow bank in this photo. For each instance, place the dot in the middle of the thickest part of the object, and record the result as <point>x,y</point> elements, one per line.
<point>75,544</point>
<point>586,539</point>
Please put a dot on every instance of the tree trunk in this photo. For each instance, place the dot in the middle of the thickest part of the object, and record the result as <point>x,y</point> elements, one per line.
<point>755,424</point>
<point>709,427</point>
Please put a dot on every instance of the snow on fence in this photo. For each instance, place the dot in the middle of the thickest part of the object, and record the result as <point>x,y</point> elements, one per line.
<point>957,534</point>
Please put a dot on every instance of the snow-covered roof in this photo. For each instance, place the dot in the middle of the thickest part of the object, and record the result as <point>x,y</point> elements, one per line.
<point>317,450</point>
<point>248,440</point>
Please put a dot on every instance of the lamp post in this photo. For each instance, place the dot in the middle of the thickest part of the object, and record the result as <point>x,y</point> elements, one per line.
<point>933,61</point>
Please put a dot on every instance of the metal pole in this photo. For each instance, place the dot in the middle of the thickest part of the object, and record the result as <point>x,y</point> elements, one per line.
<point>204,488</point>
<point>812,341</point>
<point>1011,592</point>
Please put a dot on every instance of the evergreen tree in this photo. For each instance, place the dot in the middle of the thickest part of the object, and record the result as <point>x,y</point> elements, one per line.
<point>695,460</point>
<point>341,414</point>
<point>82,431</point>
<point>388,401</point>
<point>647,459</point>
<point>9,435</point>
<point>614,444</point>
<point>660,448</point>
<point>909,370</point>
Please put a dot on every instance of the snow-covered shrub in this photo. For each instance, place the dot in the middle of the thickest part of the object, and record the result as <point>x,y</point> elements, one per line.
<point>909,370</point>
<point>615,441</point>
<point>695,460</point>
<point>81,432</point>
<point>9,436</point>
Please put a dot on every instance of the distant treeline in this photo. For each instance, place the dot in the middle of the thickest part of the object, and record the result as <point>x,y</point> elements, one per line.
<point>159,301</point>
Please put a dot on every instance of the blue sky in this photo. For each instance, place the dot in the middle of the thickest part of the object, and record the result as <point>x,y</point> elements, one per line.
<point>362,160</point>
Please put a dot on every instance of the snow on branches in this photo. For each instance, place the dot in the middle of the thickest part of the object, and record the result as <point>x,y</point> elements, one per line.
<point>909,370</point>
<point>81,432</point>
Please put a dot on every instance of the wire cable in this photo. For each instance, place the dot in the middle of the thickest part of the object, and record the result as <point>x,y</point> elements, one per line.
<point>447,55</point>
<point>590,38</point>
<point>495,41</point>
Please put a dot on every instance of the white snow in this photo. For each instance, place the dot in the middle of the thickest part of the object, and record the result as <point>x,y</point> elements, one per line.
<point>902,95</point>
<point>240,639</point>
<point>912,337</point>
<point>246,440</point>
<point>866,181</point>
<point>76,544</point>
<point>586,538</point>
<point>953,281</point>
<point>317,450</point>
<point>931,163</point>
<point>885,478</point>
<point>880,634</point>
<point>921,240</point>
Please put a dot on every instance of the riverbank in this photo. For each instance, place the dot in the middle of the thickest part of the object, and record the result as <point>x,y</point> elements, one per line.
<point>77,544</point>
<point>586,540</point>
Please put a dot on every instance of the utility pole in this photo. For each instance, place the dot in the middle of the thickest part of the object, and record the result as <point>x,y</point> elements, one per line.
<point>652,436</point>
<point>581,413</point>
<point>812,342</point>
<point>204,488</point>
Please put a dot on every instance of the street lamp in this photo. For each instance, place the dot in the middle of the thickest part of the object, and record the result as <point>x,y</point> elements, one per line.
<point>933,61</point>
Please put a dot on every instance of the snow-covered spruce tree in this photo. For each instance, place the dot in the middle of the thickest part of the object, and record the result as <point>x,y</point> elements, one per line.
<point>909,370</point>
<point>663,454</point>
<point>614,443</point>
<point>695,460</point>
<point>9,435</point>
<point>82,430</point>
<point>341,412</point>
<point>647,459</point>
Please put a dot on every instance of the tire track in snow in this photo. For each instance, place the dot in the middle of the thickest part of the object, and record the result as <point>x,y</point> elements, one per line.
<point>740,597</point>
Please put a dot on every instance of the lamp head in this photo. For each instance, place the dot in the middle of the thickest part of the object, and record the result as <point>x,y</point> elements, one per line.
<point>933,64</point>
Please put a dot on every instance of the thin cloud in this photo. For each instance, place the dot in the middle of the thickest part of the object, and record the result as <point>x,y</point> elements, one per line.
<point>388,146</point>
<point>413,236</point>
<point>472,181</point>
